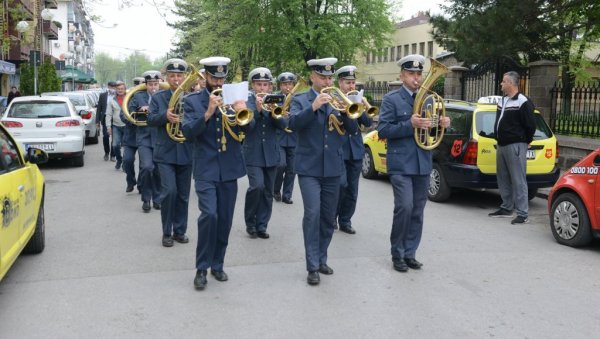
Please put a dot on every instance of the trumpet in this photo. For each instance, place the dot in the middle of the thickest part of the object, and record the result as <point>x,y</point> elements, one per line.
<point>370,111</point>
<point>241,117</point>
<point>341,103</point>
<point>277,111</point>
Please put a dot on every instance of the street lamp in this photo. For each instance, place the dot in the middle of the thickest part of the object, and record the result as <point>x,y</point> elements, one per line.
<point>47,14</point>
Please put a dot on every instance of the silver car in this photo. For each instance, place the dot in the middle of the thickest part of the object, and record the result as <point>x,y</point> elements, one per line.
<point>83,101</point>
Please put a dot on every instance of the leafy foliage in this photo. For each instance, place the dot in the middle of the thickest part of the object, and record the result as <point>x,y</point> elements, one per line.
<point>49,81</point>
<point>26,82</point>
<point>111,69</point>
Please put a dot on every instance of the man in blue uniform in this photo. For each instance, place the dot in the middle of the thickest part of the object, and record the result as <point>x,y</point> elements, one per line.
<point>129,149</point>
<point>408,165</point>
<point>172,158</point>
<point>149,176</point>
<point>261,153</point>
<point>354,151</point>
<point>218,163</point>
<point>287,144</point>
<point>318,163</point>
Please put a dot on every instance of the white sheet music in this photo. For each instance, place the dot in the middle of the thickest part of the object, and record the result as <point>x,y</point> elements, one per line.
<point>235,92</point>
<point>357,98</point>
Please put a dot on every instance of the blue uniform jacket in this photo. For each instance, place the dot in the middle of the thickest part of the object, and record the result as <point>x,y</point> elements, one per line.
<point>354,149</point>
<point>403,154</point>
<point>319,151</point>
<point>129,131</point>
<point>210,162</point>
<point>287,139</point>
<point>261,146</point>
<point>145,136</point>
<point>165,149</point>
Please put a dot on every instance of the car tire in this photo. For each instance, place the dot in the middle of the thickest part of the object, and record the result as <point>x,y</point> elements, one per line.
<point>368,165</point>
<point>531,193</point>
<point>438,190</point>
<point>38,241</point>
<point>569,221</point>
<point>78,161</point>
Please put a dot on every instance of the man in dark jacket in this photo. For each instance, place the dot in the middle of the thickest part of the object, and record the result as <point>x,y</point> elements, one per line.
<point>100,114</point>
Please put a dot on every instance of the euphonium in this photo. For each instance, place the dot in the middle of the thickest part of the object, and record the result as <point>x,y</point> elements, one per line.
<point>138,118</point>
<point>341,103</point>
<point>239,118</point>
<point>370,111</point>
<point>430,105</point>
<point>174,130</point>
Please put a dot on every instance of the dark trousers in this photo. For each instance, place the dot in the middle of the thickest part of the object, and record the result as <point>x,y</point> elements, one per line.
<point>149,177</point>
<point>129,165</point>
<point>285,172</point>
<point>319,196</point>
<point>105,139</point>
<point>348,192</point>
<point>259,197</point>
<point>174,195</point>
<point>410,196</point>
<point>216,201</point>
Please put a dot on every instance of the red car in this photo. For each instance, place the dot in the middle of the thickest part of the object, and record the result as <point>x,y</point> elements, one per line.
<point>574,203</point>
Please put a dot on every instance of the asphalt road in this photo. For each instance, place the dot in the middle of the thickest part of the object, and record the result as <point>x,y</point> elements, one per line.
<point>104,273</point>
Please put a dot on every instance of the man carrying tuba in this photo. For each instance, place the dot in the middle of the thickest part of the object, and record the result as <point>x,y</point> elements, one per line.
<point>408,165</point>
<point>216,169</point>
<point>173,159</point>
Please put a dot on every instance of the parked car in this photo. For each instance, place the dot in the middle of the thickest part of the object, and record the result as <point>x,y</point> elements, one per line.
<point>574,203</point>
<point>466,157</point>
<point>22,191</point>
<point>84,101</point>
<point>49,123</point>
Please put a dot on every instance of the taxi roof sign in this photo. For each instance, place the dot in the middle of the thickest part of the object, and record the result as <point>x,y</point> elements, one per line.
<point>490,99</point>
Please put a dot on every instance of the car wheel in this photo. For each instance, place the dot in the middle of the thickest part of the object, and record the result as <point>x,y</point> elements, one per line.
<point>438,188</point>
<point>38,241</point>
<point>531,193</point>
<point>78,161</point>
<point>368,166</point>
<point>569,221</point>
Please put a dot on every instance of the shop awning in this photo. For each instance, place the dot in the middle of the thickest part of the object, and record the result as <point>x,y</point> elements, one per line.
<point>70,74</point>
<point>7,67</point>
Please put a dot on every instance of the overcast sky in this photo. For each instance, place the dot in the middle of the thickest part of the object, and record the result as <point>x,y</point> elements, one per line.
<point>143,27</point>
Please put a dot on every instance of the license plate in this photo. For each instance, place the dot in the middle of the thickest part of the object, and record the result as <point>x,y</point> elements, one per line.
<point>44,147</point>
<point>530,154</point>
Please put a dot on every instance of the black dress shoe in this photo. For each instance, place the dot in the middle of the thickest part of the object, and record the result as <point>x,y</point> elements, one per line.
<point>251,232</point>
<point>263,235</point>
<point>325,269</point>
<point>167,241</point>
<point>400,265</point>
<point>219,275</point>
<point>106,157</point>
<point>156,206</point>
<point>287,201</point>
<point>335,225</point>
<point>313,278</point>
<point>129,188</point>
<point>277,196</point>
<point>181,238</point>
<point>347,229</point>
<point>200,280</point>
<point>413,263</point>
<point>146,206</point>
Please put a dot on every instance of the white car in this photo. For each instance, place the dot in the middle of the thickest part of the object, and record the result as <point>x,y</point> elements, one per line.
<point>49,123</point>
<point>84,101</point>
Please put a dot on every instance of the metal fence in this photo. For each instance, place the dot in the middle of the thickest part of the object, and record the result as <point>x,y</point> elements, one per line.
<point>576,110</point>
<point>485,78</point>
<point>374,92</point>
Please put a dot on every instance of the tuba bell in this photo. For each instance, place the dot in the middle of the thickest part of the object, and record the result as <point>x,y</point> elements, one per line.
<point>138,118</point>
<point>174,130</point>
<point>430,105</point>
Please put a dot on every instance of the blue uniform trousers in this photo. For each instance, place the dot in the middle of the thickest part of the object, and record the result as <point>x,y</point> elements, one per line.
<point>216,201</point>
<point>285,172</point>
<point>259,197</point>
<point>348,192</point>
<point>319,196</point>
<point>174,196</point>
<point>129,165</point>
<point>149,177</point>
<point>410,196</point>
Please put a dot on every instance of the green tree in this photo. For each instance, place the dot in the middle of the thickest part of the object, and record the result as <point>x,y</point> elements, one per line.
<point>280,34</point>
<point>49,81</point>
<point>26,79</point>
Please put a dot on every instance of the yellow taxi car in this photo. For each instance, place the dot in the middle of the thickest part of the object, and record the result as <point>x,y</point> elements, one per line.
<point>21,201</point>
<point>466,157</point>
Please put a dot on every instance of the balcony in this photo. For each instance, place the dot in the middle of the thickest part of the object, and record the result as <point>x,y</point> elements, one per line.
<point>52,4</point>
<point>50,30</point>
<point>27,6</point>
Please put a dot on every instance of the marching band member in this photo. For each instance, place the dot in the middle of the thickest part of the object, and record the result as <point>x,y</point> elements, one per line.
<point>129,149</point>
<point>173,159</point>
<point>287,144</point>
<point>138,80</point>
<point>354,150</point>
<point>318,163</point>
<point>218,163</point>
<point>149,176</point>
<point>261,153</point>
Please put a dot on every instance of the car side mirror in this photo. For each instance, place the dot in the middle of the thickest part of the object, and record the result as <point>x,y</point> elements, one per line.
<point>82,112</point>
<point>36,156</point>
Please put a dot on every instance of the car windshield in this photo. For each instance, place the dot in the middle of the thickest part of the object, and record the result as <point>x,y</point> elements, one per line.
<point>38,109</point>
<point>484,123</point>
<point>76,98</point>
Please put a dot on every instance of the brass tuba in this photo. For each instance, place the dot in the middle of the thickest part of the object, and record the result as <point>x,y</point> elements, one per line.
<point>176,104</point>
<point>138,118</point>
<point>430,105</point>
<point>370,111</point>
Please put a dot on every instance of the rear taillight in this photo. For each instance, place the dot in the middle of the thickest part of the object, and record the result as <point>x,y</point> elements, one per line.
<point>11,124</point>
<point>470,157</point>
<point>68,123</point>
<point>88,115</point>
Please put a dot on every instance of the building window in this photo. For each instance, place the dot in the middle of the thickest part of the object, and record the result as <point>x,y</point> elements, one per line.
<point>414,48</point>
<point>406,50</point>
<point>422,48</point>
<point>392,50</point>
<point>430,49</point>
<point>398,52</point>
